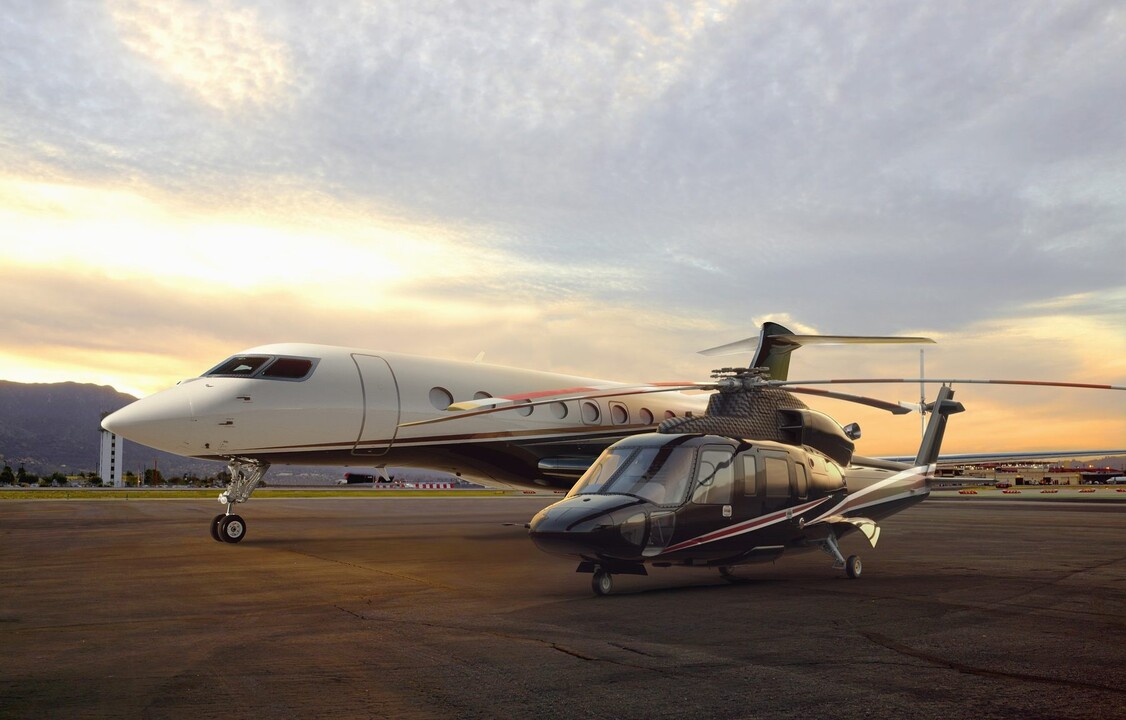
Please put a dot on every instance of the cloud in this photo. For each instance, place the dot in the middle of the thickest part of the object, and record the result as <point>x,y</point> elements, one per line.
<point>601,188</point>
<point>216,50</point>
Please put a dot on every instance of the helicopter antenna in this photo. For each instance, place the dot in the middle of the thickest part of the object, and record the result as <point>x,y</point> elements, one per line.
<point>922,396</point>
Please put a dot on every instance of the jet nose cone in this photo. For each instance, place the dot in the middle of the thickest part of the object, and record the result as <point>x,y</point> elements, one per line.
<point>160,421</point>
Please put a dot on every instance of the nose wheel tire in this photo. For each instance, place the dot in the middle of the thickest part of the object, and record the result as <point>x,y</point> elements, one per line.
<point>232,528</point>
<point>853,566</point>
<point>602,583</point>
<point>215,528</point>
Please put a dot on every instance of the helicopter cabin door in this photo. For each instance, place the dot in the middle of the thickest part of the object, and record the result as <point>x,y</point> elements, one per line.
<point>709,505</point>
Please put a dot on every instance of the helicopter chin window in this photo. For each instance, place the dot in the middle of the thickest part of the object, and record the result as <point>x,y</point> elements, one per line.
<point>633,529</point>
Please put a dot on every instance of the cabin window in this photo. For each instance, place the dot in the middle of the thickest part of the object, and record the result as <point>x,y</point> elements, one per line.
<point>750,475</point>
<point>440,398</point>
<point>777,477</point>
<point>619,414</point>
<point>591,413</point>
<point>714,477</point>
<point>288,368</point>
<point>801,481</point>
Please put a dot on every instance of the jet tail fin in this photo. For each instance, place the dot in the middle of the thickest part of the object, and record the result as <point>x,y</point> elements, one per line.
<point>943,407</point>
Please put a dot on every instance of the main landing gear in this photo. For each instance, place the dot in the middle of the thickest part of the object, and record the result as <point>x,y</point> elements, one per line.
<point>852,566</point>
<point>245,476</point>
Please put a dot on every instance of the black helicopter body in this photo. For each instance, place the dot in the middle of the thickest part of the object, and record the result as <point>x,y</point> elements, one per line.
<point>720,500</point>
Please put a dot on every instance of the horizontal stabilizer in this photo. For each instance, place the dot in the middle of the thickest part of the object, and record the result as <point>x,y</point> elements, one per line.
<point>869,528</point>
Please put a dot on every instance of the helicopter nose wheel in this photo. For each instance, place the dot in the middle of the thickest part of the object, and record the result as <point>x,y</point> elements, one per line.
<point>602,583</point>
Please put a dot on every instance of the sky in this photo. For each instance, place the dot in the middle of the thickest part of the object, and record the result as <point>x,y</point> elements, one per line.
<point>595,188</point>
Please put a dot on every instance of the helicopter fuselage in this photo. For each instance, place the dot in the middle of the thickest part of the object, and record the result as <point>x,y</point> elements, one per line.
<point>708,500</point>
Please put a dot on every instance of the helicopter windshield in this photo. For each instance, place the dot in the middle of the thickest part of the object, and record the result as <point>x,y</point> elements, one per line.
<point>657,474</point>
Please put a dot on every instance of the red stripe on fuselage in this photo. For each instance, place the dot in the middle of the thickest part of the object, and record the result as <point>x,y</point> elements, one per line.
<point>744,527</point>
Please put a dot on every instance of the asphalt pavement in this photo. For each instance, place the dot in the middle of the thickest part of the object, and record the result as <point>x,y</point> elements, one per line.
<point>442,608</point>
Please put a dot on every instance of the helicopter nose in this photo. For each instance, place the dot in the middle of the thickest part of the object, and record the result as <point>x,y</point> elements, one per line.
<point>590,526</point>
<point>159,421</point>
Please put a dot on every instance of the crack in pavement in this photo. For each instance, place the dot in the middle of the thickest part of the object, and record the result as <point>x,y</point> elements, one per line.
<point>886,642</point>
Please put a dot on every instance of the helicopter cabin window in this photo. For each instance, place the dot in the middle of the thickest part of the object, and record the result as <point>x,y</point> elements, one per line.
<point>801,481</point>
<point>750,475</point>
<point>714,477</point>
<point>777,476</point>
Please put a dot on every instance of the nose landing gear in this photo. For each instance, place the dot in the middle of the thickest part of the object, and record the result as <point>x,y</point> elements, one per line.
<point>245,476</point>
<point>602,583</point>
<point>228,528</point>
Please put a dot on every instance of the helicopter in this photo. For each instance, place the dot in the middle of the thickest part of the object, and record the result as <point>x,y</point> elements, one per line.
<point>758,475</point>
<point>714,498</point>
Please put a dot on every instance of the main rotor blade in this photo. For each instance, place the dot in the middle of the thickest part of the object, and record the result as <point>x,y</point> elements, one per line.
<point>947,381</point>
<point>893,408</point>
<point>751,343</point>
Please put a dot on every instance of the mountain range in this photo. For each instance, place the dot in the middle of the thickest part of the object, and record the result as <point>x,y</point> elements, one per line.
<point>55,427</point>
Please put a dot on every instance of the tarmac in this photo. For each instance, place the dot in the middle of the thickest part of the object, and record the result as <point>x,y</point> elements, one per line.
<point>441,608</point>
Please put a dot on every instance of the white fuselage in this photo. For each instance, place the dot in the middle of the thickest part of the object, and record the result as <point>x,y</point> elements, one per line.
<point>349,409</point>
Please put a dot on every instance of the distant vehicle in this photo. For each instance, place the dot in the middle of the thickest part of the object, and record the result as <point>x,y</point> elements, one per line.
<point>1003,485</point>
<point>1117,480</point>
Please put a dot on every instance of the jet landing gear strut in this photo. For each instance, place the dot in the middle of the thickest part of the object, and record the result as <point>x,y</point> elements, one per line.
<point>245,476</point>
<point>852,566</point>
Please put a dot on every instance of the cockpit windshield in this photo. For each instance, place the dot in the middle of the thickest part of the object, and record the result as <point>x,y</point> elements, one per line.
<point>264,366</point>
<point>657,474</point>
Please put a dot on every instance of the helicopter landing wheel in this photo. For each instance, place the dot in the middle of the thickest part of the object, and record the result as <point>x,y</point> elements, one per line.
<point>728,573</point>
<point>853,566</point>
<point>232,528</point>
<point>215,527</point>
<point>602,583</point>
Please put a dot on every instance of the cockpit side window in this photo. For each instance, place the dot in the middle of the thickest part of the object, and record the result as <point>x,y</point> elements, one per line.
<point>239,366</point>
<point>288,368</point>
